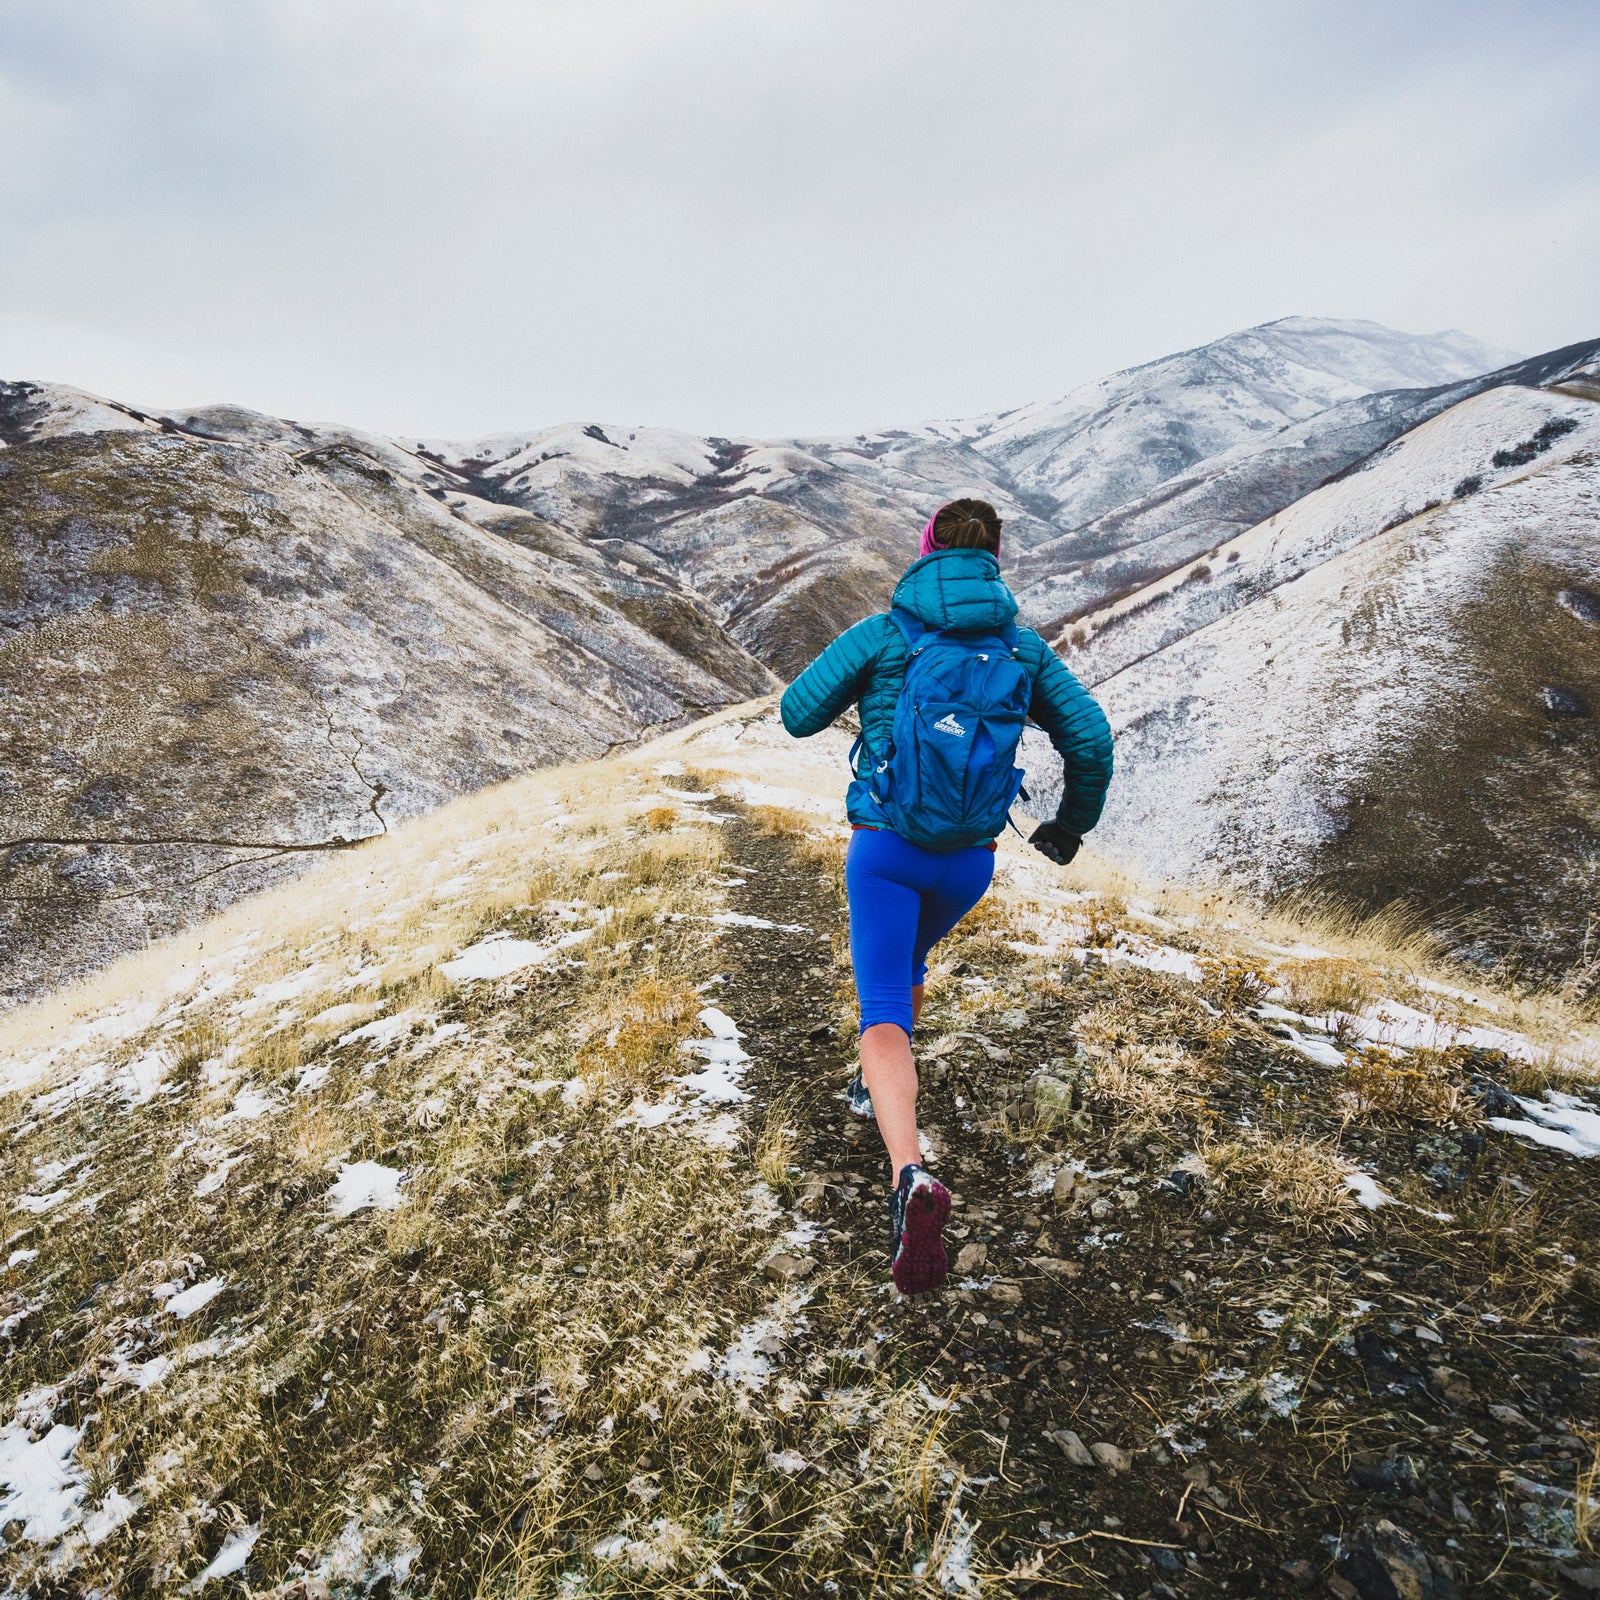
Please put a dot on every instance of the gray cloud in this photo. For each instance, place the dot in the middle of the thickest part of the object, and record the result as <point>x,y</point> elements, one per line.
<point>442,217</point>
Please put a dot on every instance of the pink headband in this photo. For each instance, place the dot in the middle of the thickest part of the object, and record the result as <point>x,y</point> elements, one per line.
<point>928,546</point>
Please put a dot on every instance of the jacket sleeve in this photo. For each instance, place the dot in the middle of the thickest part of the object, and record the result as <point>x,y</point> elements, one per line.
<point>834,680</point>
<point>1078,729</point>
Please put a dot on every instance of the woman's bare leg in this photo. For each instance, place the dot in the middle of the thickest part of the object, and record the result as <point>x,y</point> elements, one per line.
<point>891,1079</point>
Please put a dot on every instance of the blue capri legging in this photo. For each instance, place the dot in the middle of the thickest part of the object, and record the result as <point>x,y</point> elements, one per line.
<point>903,901</point>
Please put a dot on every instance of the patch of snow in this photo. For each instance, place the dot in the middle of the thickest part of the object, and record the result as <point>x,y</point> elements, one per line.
<point>41,1483</point>
<point>312,1077</point>
<point>218,1175</point>
<point>787,1462</point>
<point>18,1257</point>
<point>1393,1023</point>
<point>384,1031</point>
<point>143,1077</point>
<point>1279,1393</point>
<point>735,919</point>
<point>364,1184</point>
<point>38,1204</point>
<point>230,1558</point>
<point>498,958</point>
<point>669,769</point>
<point>188,1301</point>
<point>954,1566</point>
<point>719,1024</point>
<point>1318,1050</point>
<point>1560,1122</point>
<point>643,1115</point>
<point>1368,1191</point>
<point>250,1103</point>
<point>112,1512</point>
<point>721,1133</point>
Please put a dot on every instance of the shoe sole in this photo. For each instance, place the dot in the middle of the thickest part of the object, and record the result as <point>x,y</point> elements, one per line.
<point>920,1264</point>
<point>857,1110</point>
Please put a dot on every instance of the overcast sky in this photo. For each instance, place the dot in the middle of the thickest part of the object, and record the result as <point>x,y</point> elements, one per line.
<point>767,216</point>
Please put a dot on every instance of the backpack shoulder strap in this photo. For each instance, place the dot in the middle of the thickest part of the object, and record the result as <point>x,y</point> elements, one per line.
<point>913,627</point>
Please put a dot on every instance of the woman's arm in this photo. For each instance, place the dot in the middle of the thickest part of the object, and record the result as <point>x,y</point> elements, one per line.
<point>1078,729</point>
<point>834,680</point>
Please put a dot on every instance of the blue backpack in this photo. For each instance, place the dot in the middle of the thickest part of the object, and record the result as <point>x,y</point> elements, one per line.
<point>949,776</point>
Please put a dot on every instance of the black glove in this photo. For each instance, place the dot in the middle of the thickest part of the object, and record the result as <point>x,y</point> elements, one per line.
<point>1054,843</point>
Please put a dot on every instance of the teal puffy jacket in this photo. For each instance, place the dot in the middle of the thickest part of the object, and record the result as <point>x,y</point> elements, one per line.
<point>866,664</point>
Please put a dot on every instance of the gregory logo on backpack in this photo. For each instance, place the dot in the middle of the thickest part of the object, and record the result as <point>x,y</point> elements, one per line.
<point>970,689</point>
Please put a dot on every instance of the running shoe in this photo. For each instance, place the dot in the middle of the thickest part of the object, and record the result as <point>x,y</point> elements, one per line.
<point>918,1211</point>
<point>859,1099</point>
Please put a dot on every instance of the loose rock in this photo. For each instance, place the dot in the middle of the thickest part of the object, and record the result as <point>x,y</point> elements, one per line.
<point>972,1258</point>
<point>1072,1447</point>
<point>1387,1563</point>
<point>786,1268</point>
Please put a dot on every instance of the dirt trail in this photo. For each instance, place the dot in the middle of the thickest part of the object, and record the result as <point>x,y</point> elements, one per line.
<point>1157,1393</point>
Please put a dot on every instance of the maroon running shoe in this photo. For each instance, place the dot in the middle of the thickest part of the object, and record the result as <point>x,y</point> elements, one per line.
<point>918,1211</point>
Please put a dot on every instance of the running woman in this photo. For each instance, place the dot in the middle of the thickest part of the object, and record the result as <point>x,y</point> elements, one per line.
<point>905,896</point>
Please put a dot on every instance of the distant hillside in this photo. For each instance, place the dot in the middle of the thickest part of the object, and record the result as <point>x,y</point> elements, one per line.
<point>1388,689</point>
<point>221,652</point>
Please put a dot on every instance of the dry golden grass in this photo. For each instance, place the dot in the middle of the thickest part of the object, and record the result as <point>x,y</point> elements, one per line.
<point>1234,982</point>
<point>541,1411</point>
<point>777,1145</point>
<point>314,1136</point>
<point>1325,986</point>
<point>1586,1506</point>
<point>781,822</point>
<point>825,854</point>
<point>1293,1179</point>
<point>635,1038</point>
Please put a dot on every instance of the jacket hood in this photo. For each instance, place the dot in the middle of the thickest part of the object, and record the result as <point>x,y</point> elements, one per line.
<point>957,589</point>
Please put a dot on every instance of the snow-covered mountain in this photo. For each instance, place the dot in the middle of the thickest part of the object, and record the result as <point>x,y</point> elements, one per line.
<point>224,628</point>
<point>1111,442</point>
<point>1386,690</point>
<point>796,539</point>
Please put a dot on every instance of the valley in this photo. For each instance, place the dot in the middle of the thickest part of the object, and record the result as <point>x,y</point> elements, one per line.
<point>232,642</point>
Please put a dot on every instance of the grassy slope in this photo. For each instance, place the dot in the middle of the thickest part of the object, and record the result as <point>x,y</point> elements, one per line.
<point>558,1366</point>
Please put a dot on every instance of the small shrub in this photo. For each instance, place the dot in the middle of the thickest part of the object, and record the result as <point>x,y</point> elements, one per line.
<point>1470,484</point>
<point>776,1147</point>
<point>780,822</point>
<point>636,1039</point>
<point>1417,1087</point>
<point>1518,456</point>
<point>1301,1180</point>
<point>661,819</point>
<point>1546,435</point>
<point>1233,983</point>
